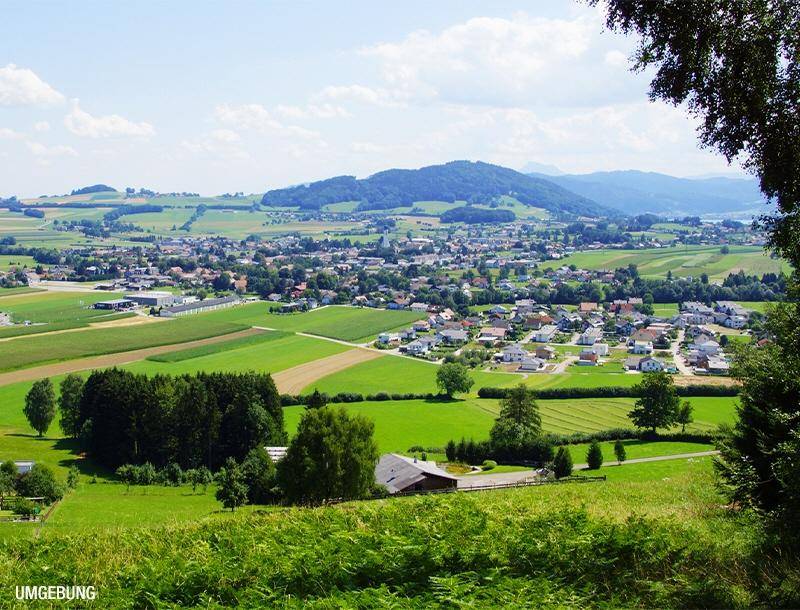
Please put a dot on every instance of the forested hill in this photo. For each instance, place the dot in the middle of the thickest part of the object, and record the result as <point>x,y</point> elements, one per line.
<point>473,182</point>
<point>635,192</point>
<point>95,188</point>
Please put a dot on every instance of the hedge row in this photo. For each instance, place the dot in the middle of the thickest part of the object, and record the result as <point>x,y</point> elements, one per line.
<point>613,392</point>
<point>613,434</point>
<point>288,400</point>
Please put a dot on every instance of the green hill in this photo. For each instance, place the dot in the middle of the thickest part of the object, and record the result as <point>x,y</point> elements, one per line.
<point>473,182</point>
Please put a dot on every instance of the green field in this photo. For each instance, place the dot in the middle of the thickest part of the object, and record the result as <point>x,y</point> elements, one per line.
<point>7,261</point>
<point>682,261</point>
<point>216,348</point>
<point>273,353</point>
<point>42,349</point>
<point>335,321</point>
<point>403,424</point>
<point>47,307</point>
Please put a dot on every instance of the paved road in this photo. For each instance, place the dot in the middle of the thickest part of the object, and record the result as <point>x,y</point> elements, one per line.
<point>474,480</point>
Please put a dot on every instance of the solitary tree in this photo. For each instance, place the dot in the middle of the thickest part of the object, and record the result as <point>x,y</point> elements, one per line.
<point>657,405</point>
<point>127,474</point>
<point>453,377</point>
<point>232,490</point>
<point>450,450</point>
<point>40,405</point>
<point>562,463</point>
<point>619,451</point>
<point>684,415</point>
<point>518,424</point>
<point>333,455</point>
<point>594,456</point>
<point>69,404</point>
<point>72,477</point>
<point>260,476</point>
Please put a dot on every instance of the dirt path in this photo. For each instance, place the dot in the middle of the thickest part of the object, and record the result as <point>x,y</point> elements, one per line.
<point>109,324</point>
<point>293,380</point>
<point>474,480</point>
<point>116,359</point>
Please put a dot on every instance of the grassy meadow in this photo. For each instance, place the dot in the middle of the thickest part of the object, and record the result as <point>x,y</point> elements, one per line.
<point>682,261</point>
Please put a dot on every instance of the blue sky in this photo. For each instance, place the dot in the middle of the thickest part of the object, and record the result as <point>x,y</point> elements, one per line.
<point>214,97</point>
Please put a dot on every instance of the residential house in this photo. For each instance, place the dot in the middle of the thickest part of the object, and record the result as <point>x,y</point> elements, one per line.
<point>399,473</point>
<point>650,365</point>
<point>545,334</point>
<point>590,336</point>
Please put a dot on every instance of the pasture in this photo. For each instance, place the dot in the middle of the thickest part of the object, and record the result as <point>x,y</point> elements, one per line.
<point>42,349</point>
<point>335,321</point>
<point>682,261</point>
<point>15,261</point>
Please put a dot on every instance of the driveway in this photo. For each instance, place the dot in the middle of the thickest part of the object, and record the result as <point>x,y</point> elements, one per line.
<point>477,480</point>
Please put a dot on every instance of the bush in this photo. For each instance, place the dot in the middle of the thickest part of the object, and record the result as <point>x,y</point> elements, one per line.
<point>40,482</point>
<point>22,507</point>
<point>488,465</point>
<point>562,463</point>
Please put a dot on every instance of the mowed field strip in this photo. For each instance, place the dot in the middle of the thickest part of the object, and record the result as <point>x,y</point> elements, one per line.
<point>114,359</point>
<point>293,380</point>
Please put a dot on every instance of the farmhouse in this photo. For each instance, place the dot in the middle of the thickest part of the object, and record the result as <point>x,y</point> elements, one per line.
<point>399,473</point>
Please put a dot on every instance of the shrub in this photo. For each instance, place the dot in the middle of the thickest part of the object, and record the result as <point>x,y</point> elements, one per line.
<point>40,482</point>
<point>22,507</point>
<point>562,463</point>
<point>488,465</point>
<point>594,456</point>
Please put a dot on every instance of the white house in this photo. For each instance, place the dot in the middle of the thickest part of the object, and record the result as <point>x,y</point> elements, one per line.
<point>650,365</point>
<point>514,353</point>
<point>590,336</point>
<point>642,347</point>
<point>531,365</point>
<point>545,334</point>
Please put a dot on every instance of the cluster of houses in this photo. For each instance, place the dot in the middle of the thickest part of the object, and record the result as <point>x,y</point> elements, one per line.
<point>522,336</point>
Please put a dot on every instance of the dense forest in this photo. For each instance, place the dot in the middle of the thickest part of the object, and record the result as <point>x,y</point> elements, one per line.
<point>199,420</point>
<point>455,181</point>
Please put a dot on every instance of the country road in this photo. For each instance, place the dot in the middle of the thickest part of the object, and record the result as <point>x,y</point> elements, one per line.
<point>475,480</point>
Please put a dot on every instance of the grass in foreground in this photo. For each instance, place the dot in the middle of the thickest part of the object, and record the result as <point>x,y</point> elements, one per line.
<point>648,542</point>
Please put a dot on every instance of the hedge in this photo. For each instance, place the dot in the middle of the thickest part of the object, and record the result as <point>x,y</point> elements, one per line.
<point>612,392</point>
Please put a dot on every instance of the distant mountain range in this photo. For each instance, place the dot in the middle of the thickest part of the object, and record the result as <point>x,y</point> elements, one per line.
<point>634,192</point>
<point>473,182</point>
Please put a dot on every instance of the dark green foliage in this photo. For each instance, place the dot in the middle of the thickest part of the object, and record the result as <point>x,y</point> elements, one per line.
<point>455,181</point>
<point>619,451</point>
<point>23,507</point>
<point>562,463</point>
<point>40,405</point>
<point>450,450</point>
<point>517,425</point>
<point>333,455</point>
<point>40,482</point>
<point>69,404</point>
<point>452,378</point>
<point>594,456</point>
<point>190,420</point>
<point>95,188</point>
<point>199,477</point>
<point>472,215</point>
<point>317,400</point>
<point>172,475</point>
<point>657,406</point>
<point>759,455</point>
<point>231,486</point>
<point>684,415</point>
<point>260,477</point>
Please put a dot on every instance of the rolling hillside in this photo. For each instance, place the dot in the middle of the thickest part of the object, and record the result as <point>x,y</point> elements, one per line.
<point>634,192</point>
<point>473,182</point>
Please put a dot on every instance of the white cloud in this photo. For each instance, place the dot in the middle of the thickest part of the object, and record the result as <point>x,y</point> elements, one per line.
<point>83,124</point>
<point>496,61</point>
<point>22,87</point>
<point>41,126</point>
<point>10,134</point>
<point>58,150</point>
<point>254,117</point>
<point>376,96</point>
<point>312,111</point>
<point>225,135</point>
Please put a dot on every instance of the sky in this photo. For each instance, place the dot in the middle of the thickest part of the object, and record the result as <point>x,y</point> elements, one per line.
<point>215,97</point>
